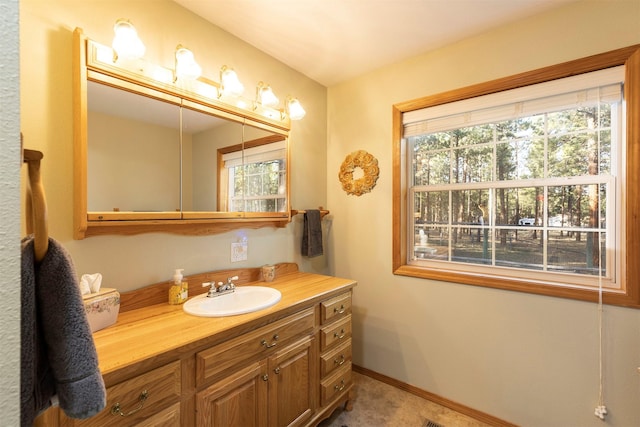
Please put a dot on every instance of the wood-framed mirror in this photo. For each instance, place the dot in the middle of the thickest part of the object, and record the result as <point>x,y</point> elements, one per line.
<point>148,153</point>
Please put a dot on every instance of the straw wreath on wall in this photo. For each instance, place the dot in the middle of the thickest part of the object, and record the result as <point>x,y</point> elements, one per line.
<point>361,164</point>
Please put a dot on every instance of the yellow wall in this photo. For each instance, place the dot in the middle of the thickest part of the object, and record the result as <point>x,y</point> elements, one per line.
<point>531,360</point>
<point>46,120</point>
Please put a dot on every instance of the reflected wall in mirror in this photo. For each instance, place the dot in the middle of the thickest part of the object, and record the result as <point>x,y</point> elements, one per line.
<point>133,152</point>
<point>202,135</point>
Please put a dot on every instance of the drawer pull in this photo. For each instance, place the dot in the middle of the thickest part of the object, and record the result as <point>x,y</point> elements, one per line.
<point>115,409</point>
<point>339,387</point>
<point>273,344</point>
<point>339,310</point>
<point>339,360</point>
<point>339,335</point>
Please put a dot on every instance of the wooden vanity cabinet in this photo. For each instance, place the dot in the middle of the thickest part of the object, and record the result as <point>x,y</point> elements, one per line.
<point>262,378</point>
<point>290,368</point>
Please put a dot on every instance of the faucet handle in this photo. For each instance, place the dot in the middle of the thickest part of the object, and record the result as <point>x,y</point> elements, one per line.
<point>212,287</point>
<point>230,280</point>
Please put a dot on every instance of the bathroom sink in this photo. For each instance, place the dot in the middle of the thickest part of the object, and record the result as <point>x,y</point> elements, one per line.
<point>245,299</point>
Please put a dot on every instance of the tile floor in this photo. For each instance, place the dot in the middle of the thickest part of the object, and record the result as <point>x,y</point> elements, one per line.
<point>378,404</point>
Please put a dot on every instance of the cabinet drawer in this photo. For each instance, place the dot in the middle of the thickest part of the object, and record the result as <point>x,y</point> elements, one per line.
<point>333,386</point>
<point>335,358</point>
<point>334,333</point>
<point>139,398</point>
<point>216,360</point>
<point>335,307</point>
<point>170,417</point>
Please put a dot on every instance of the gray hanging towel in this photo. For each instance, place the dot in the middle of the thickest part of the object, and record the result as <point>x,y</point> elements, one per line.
<point>312,234</point>
<point>58,356</point>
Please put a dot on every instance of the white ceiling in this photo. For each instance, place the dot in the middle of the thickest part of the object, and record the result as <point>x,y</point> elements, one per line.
<point>331,41</point>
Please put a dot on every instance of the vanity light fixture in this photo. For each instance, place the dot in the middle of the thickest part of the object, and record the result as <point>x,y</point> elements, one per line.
<point>229,82</point>
<point>126,43</point>
<point>186,65</point>
<point>127,46</point>
<point>294,108</point>
<point>265,96</point>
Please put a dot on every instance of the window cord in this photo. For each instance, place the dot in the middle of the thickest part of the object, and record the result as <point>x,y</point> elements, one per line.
<point>601,409</point>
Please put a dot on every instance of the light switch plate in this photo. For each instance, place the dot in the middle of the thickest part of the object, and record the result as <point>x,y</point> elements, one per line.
<point>239,251</point>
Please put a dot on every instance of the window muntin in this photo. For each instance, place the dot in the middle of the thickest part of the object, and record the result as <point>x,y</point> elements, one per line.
<point>531,196</point>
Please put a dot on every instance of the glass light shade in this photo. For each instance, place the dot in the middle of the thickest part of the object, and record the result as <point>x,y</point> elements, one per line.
<point>126,42</point>
<point>266,97</point>
<point>296,112</point>
<point>231,85</point>
<point>186,65</point>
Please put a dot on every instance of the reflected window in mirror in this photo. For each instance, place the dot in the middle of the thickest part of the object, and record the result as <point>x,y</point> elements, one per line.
<point>254,179</point>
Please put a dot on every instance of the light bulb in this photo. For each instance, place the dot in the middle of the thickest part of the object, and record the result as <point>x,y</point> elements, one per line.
<point>231,85</point>
<point>296,112</point>
<point>186,65</point>
<point>126,43</point>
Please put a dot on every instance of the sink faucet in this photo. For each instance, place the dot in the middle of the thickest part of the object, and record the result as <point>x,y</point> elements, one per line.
<point>229,285</point>
<point>221,288</point>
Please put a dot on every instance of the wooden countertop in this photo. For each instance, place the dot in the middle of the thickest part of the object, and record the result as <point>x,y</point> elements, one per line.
<point>162,332</point>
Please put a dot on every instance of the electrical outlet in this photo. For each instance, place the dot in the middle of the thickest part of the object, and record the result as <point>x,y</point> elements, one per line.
<point>239,251</point>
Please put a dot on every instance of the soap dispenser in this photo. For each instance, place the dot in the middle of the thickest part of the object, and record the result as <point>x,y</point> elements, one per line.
<point>179,291</point>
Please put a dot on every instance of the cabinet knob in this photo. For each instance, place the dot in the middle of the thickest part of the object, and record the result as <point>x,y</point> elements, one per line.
<point>277,370</point>
<point>265,377</point>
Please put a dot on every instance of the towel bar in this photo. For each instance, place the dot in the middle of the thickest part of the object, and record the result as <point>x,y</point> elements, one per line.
<point>323,212</point>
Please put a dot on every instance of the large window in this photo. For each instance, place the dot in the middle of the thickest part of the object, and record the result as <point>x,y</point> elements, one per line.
<point>522,187</point>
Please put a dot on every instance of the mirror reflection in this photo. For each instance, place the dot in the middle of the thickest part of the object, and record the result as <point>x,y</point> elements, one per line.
<point>164,154</point>
<point>202,135</point>
<point>253,175</point>
<point>133,153</point>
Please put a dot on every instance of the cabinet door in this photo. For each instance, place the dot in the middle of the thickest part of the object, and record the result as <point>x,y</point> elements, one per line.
<point>292,384</point>
<point>239,400</point>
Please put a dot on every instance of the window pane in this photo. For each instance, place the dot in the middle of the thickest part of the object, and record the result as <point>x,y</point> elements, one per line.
<point>473,164</point>
<point>470,206</point>
<point>577,206</point>
<point>471,245</point>
<point>518,206</point>
<point>576,252</point>
<point>520,249</point>
<point>431,207</point>
<point>431,168</point>
<point>512,160</point>
<point>431,243</point>
<point>573,155</point>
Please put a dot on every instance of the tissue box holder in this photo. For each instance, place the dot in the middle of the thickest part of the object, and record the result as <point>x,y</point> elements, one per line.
<point>102,308</point>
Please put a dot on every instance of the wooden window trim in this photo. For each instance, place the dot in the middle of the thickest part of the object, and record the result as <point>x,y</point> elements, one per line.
<point>630,57</point>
